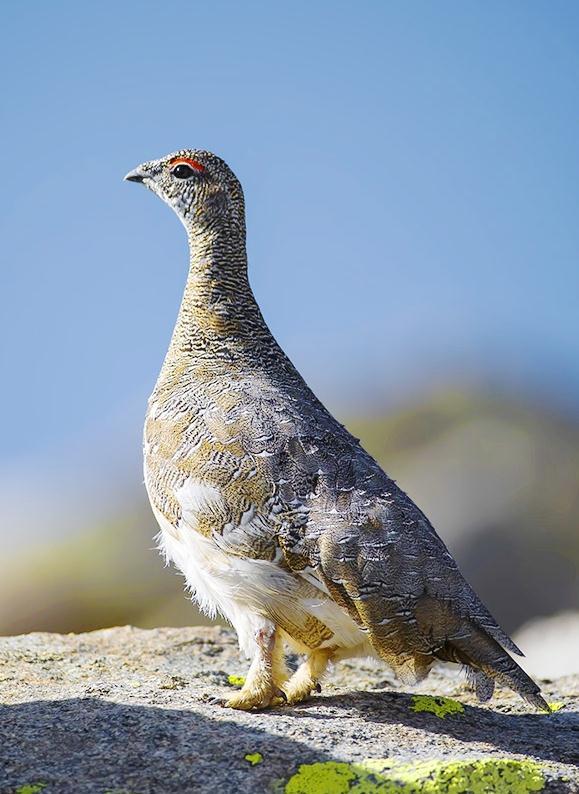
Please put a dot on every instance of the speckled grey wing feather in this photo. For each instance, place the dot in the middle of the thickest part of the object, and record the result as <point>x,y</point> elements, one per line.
<point>381,559</point>
<point>409,622</point>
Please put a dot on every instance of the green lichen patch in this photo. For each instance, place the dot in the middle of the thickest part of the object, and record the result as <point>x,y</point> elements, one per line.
<point>30,788</point>
<point>235,680</point>
<point>329,777</point>
<point>440,706</point>
<point>386,776</point>
<point>253,758</point>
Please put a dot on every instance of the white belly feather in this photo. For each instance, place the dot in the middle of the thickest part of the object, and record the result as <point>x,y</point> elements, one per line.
<point>240,588</point>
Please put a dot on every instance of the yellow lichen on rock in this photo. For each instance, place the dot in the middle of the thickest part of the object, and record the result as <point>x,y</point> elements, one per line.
<point>556,705</point>
<point>30,788</point>
<point>253,758</point>
<point>235,680</point>
<point>329,777</point>
<point>385,776</point>
<point>440,706</point>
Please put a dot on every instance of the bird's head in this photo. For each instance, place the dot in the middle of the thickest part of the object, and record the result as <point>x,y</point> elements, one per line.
<point>198,185</point>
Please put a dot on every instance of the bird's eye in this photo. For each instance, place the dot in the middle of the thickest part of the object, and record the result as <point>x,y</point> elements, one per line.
<point>182,171</point>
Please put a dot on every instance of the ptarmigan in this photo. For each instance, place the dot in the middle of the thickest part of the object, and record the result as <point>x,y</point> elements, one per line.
<point>276,516</point>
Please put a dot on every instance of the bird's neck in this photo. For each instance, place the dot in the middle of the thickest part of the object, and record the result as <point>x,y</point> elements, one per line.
<point>219,314</point>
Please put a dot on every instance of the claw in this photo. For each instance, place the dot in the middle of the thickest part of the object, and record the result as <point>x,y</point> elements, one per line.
<point>279,698</point>
<point>318,687</point>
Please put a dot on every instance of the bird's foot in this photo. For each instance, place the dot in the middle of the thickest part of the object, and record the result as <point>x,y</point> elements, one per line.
<point>263,687</point>
<point>257,697</point>
<point>306,678</point>
<point>299,688</point>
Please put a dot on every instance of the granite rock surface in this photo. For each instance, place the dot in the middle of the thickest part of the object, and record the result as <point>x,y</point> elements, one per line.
<point>129,711</point>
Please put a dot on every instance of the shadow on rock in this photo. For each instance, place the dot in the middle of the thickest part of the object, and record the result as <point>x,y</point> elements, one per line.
<point>94,746</point>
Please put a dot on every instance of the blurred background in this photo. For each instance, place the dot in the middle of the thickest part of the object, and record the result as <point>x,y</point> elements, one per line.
<point>411,174</point>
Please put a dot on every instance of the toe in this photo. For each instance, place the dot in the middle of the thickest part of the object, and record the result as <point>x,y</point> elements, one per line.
<point>301,691</point>
<point>254,699</point>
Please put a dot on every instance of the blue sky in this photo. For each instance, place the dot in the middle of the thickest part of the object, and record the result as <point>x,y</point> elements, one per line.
<point>411,173</point>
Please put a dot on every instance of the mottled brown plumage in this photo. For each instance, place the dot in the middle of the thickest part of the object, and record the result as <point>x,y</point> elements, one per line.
<point>273,511</point>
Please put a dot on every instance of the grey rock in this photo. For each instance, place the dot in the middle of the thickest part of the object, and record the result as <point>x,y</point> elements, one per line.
<point>126,710</point>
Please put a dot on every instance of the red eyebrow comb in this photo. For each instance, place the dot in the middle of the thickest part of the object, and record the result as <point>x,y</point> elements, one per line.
<point>188,161</point>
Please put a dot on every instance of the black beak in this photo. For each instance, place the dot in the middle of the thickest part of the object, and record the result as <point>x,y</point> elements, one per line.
<point>136,175</point>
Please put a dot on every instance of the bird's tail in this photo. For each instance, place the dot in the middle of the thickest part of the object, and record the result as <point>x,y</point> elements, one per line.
<point>486,662</point>
<point>439,617</point>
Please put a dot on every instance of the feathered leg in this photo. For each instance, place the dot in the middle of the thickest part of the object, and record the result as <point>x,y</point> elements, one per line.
<point>307,677</point>
<point>267,674</point>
